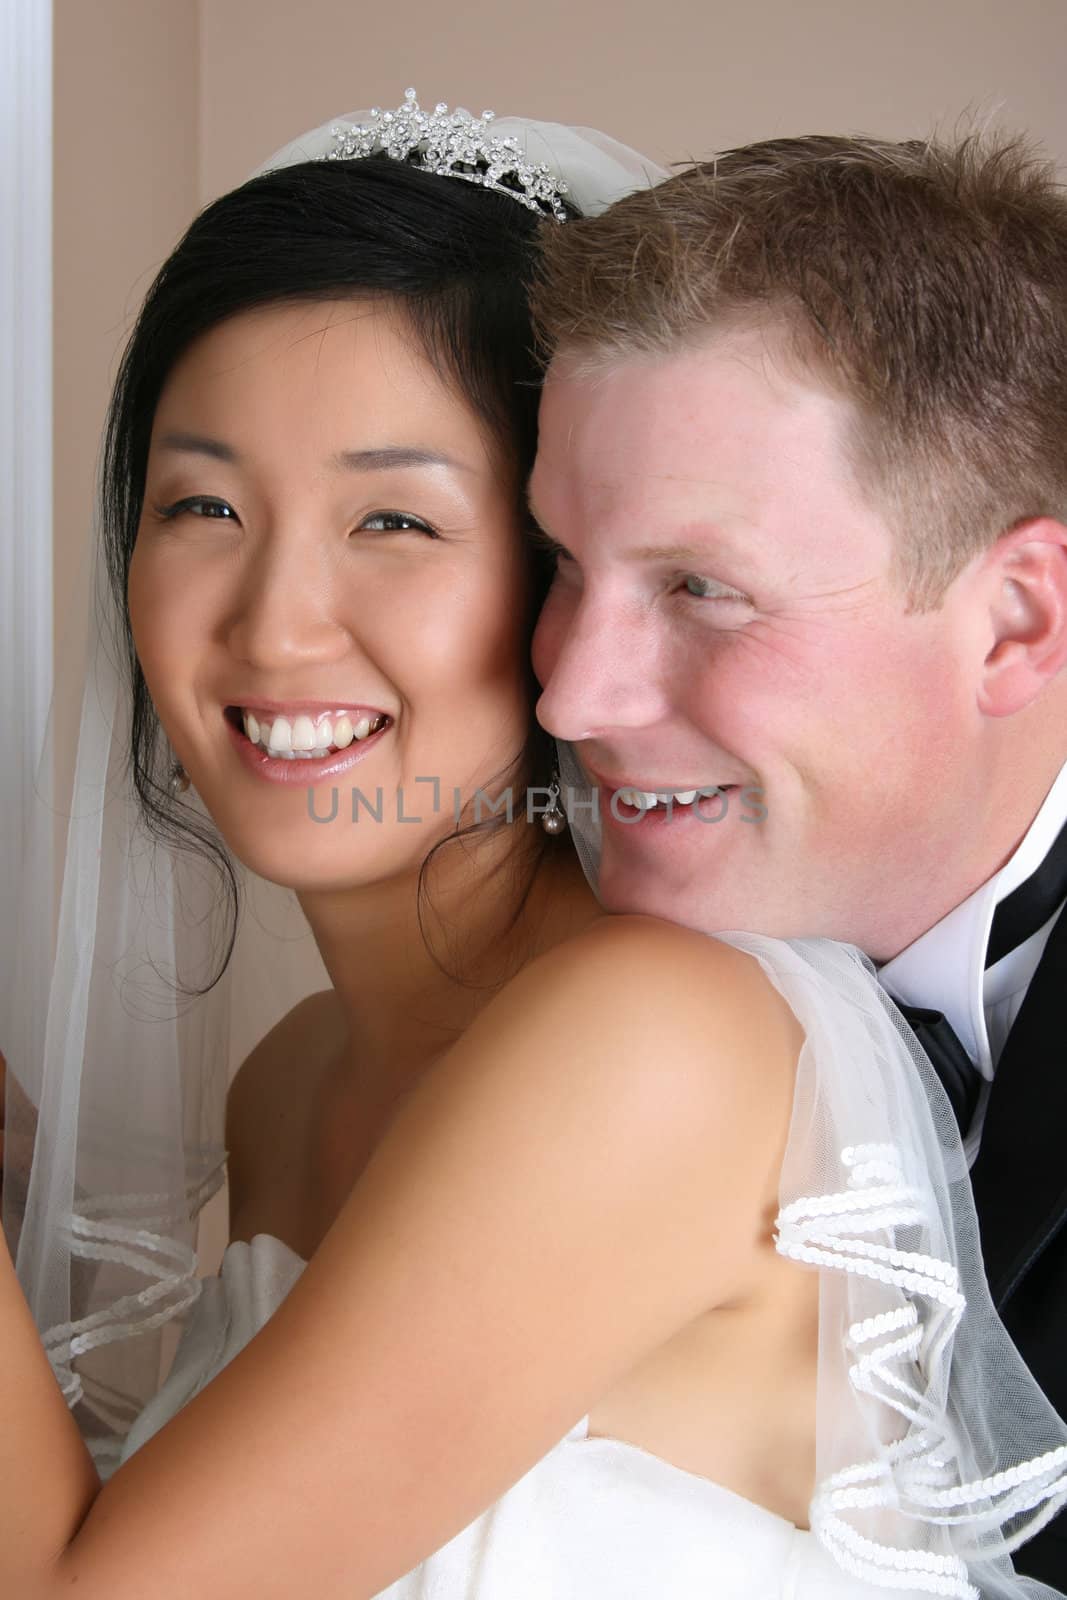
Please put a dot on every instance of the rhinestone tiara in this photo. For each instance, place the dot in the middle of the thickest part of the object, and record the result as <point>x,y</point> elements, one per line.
<point>455,145</point>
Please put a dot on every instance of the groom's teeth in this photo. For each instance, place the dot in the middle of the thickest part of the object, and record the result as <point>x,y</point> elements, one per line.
<point>647,800</point>
<point>251,727</point>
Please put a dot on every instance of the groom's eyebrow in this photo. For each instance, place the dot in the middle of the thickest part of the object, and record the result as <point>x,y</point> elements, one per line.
<point>710,544</point>
<point>671,552</point>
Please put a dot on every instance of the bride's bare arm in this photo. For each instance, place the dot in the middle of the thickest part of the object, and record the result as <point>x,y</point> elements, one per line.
<point>585,1172</point>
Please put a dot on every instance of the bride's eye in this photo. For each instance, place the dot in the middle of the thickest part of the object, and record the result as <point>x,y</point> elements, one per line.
<point>395,522</point>
<point>198,506</point>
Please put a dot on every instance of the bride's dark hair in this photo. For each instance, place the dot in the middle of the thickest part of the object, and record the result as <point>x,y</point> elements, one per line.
<point>455,257</point>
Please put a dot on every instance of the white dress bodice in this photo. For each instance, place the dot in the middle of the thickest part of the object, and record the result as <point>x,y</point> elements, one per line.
<point>594,1519</point>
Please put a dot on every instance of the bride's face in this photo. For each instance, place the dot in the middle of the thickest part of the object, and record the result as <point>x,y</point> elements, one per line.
<point>329,537</point>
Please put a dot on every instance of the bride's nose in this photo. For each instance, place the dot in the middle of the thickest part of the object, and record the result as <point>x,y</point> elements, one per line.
<point>287,608</point>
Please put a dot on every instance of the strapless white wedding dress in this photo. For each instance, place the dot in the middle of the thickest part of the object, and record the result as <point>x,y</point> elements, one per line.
<point>930,1435</point>
<point>595,1519</point>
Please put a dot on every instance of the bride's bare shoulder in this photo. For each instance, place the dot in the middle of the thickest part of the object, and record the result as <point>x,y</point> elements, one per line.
<point>630,960</point>
<point>263,1115</point>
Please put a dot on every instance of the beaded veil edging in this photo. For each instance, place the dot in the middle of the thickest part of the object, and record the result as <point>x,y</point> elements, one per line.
<point>893,1352</point>
<point>123,1231</point>
<point>99,1234</point>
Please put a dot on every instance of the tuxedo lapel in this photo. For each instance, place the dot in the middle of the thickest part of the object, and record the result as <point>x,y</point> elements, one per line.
<point>1020,1177</point>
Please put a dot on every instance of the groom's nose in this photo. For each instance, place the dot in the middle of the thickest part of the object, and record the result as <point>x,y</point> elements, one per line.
<point>598,668</point>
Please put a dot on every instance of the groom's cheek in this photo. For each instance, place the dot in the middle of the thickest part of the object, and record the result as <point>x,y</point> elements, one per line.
<point>753,805</point>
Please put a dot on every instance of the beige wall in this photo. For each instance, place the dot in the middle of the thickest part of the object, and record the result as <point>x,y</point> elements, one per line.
<point>125,184</point>
<point>674,77</point>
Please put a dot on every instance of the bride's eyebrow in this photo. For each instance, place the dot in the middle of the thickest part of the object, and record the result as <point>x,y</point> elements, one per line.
<point>197,444</point>
<point>380,458</point>
<point>384,457</point>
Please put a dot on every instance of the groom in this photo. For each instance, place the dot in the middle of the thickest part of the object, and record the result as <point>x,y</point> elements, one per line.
<point>804,454</point>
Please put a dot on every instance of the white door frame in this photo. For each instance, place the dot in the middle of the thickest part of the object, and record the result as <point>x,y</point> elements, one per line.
<point>26,609</point>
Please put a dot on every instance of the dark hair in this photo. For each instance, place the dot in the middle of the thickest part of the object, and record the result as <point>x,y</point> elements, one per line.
<point>454,256</point>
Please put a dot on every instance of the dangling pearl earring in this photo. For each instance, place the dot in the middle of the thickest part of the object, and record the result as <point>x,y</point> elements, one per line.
<point>553,820</point>
<point>179,779</point>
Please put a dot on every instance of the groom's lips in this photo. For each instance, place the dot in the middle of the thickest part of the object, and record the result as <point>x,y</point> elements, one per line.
<point>623,815</point>
<point>612,786</point>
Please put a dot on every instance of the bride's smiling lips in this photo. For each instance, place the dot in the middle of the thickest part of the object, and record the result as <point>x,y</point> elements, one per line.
<point>304,772</point>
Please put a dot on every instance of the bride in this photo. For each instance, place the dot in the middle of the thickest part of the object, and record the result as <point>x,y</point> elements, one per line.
<point>570,1255</point>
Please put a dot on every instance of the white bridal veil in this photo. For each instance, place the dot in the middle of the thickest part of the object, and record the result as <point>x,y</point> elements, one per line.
<point>935,1449</point>
<point>116,1079</point>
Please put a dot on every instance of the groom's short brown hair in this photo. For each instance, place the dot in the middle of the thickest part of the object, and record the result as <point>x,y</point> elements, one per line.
<point>926,282</point>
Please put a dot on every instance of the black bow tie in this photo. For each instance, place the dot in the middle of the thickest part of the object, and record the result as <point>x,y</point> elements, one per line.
<point>1018,916</point>
<point>959,1076</point>
<point>1029,906</point>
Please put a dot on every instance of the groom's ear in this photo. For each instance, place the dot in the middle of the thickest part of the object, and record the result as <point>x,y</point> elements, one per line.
<point>1025,584</point>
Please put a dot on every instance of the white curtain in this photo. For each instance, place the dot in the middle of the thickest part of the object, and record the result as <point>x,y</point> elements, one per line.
<point>26,632</point>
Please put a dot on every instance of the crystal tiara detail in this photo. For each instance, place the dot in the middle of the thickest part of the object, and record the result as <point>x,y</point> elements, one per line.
<point>454,145</point>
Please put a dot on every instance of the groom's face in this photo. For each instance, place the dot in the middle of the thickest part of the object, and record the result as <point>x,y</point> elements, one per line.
<point>726,614</point>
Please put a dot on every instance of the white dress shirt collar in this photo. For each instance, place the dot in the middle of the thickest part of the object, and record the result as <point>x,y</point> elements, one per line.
<point>944,969</point>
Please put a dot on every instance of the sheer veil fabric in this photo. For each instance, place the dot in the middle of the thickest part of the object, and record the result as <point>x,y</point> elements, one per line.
<point>117,1079</point>
<point>936,1452</point>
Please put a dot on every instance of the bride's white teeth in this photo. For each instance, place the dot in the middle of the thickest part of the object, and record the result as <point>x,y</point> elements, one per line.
<point>281,737</point>
<point>306,737</point>
<point>685,797</point>
<point>303,736</point>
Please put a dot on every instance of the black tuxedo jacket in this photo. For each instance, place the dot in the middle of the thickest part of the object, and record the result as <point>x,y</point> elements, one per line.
<point>1020,1191</point>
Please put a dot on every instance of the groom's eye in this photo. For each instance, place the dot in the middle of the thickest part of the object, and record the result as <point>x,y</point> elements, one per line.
<point>702,588</point>
<point>552,547</point>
